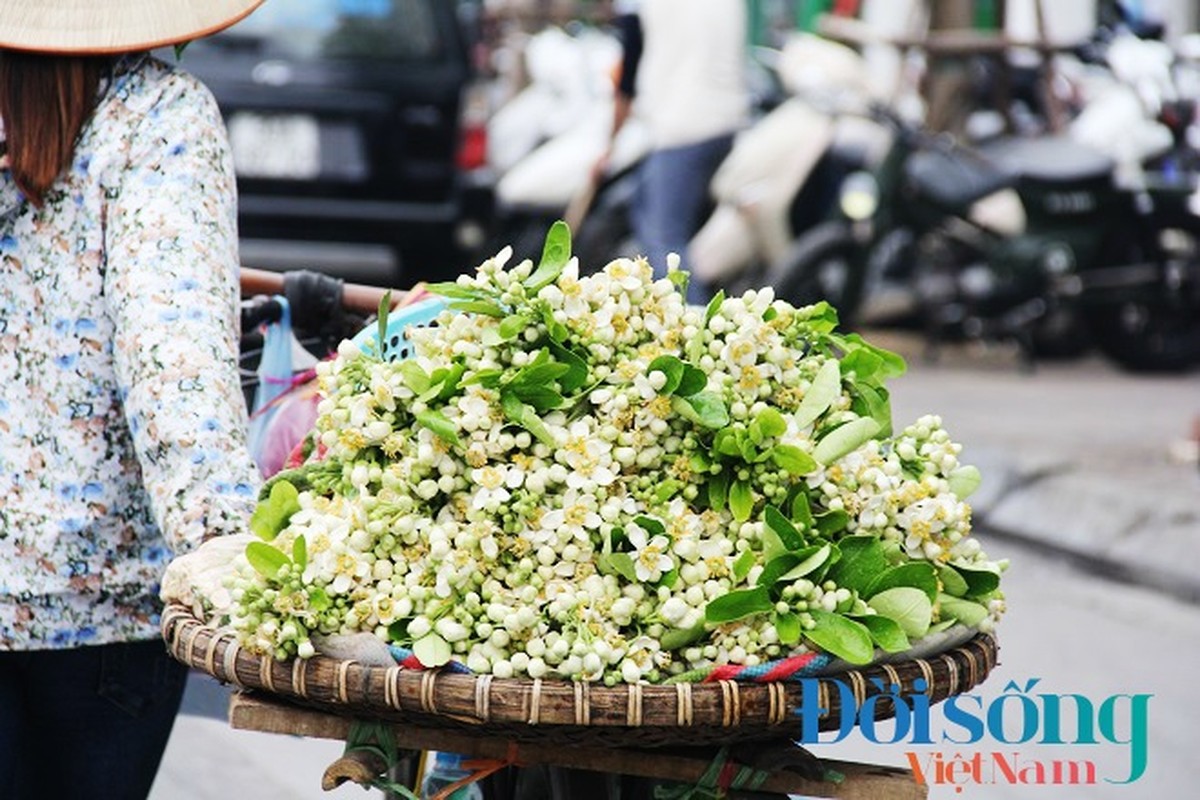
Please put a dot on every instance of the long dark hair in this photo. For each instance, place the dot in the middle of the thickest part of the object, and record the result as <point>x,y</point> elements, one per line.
<point>44,102</point>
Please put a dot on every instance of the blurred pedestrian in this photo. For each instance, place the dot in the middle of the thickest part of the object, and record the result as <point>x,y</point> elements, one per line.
<point>685,68</point>
<point>122,423</point>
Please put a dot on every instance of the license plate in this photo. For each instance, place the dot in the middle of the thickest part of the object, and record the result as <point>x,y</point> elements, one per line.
<point>285,146</point>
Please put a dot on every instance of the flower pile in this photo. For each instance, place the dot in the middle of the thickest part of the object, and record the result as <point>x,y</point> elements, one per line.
<point>585,478</point>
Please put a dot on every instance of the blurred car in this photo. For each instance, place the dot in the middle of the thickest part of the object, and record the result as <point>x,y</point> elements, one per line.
<point>356,135</point>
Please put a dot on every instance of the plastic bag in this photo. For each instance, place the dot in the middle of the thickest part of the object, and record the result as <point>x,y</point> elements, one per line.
<point>291,419</point>
<point>274,379</point>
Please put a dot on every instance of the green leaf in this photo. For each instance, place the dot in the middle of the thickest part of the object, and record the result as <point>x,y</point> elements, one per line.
<point>651,525</point>
<point>938,627</point>
<point>432,650</point>
<point>738,605</point>
<point>718,491</point>
<point>741,567</point>
<point>811,558</point>
<point>667,489</point>
<point>714,306</point>
<point>672,368</point>
<point>318,600</point>
<point>792,539</point>
<point>979,581</point>
<point>526,416</point>
<point>771,423</point>
<point>907,606</point>
<point>873,402</point>
<point>703,408</point>
<point>266,559</point>
<point>741,500</point>
<point>539,375</point>
<point>677,638</point>
<point>863,560</point>
<point>271,515</point>
<point>801,512</point>
<point>844,638</point>
<point>917,574</point>
<point>772,545</point>
<point>558,332</point>
<point>964,481</point>
<point>436,421</point>
<point>449,381</point>
<point>577,368</point>
<point>863,363</point>
<point>513,326</point>
<point>414,377</point>
<point>300,553</point>
<point>788,627</point>
<point>825,388</point>
<point>381,322</point>
<point>885,632</point>
<point>725,442</point>
<point>793,459</point>
<point>831,523</point>
<point>953,583</point>
<point>845,439</point>
<point>965,611</point>
<point>777,568</point>
<point>555,255</point>
<point>487,378</point>
<point>680,279</point>
<point>692,382</point>
<point>484,307</point>
<point>542,398</point>
<point>889,365</point>
<point>453,291</point>
<point>622,564</point>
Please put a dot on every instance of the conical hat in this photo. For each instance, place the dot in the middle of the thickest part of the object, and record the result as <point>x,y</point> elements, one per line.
<point>112,26</point>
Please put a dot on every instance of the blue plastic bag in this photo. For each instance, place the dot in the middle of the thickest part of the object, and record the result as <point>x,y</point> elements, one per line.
<point>274,379</point>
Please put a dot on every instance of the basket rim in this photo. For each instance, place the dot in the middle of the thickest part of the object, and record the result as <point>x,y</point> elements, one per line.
<point>542,706</point>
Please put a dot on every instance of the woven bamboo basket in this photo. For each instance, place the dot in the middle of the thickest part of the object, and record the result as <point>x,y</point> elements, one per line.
<point>565,712</point>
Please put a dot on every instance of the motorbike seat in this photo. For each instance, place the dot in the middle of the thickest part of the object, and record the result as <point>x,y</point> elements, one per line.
<point>954,179</point>
<point>1050,160</point>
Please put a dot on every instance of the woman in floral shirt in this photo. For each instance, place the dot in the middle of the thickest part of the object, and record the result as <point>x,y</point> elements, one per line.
<point>122,425</point>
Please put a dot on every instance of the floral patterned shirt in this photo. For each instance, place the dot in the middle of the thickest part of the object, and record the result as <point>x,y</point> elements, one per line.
<point>122,423</point>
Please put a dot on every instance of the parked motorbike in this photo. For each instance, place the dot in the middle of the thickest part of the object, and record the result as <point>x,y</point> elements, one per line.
<point>783,173</point>
<point>1010,241</point>
<point>553,180</point>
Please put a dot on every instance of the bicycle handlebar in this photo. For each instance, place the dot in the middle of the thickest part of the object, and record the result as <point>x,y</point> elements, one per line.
<point>355,297</point>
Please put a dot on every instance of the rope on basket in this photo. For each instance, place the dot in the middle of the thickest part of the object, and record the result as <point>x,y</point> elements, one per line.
<point>783,669</point>
<point>405,658</point>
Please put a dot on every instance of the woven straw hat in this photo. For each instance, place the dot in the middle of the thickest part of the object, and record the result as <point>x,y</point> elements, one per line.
<point>112,26</point>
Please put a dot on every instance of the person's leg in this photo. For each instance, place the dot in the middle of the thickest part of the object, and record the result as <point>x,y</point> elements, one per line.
<point>674,195</point>
<point>103,718</point>
<point>14,715</point>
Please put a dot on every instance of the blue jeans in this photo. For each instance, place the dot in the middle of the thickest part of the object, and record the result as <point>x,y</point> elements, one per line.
<point>674,196</point>
<point>86,722</point>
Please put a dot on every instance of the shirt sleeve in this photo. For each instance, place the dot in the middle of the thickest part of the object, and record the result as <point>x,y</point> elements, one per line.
<point>172,286</point>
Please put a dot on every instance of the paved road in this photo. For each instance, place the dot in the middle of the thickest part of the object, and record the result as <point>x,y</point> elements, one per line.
<point>1075,459</point>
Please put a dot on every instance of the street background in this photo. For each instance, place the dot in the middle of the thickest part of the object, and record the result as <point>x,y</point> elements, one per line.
<point>1080,461</point>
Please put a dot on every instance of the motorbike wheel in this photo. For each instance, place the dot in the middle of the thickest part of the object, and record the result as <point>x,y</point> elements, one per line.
<point>1155,333</point>
<point>821,265</point>
<point>1060,335</point>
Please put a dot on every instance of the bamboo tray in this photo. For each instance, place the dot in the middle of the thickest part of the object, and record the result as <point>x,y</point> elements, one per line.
<point>567,712</point>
